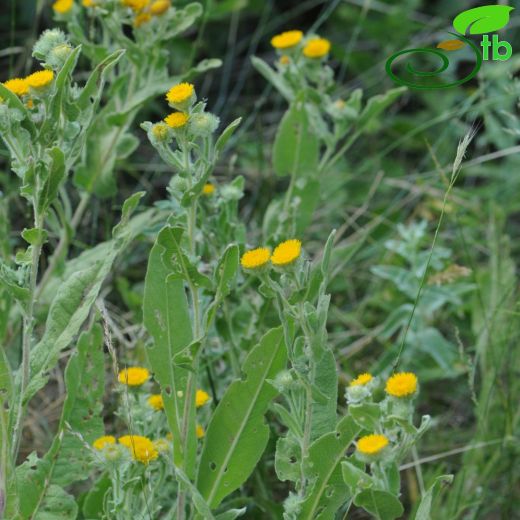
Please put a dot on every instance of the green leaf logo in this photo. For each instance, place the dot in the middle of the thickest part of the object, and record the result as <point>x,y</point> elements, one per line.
<point>480,20</point>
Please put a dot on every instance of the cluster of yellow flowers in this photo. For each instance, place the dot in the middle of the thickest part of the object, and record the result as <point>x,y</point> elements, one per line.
<point>144,9</point>
<point>141,448</point>
<point>313,47</point>
<point>180,97</point>
<point>36,81</point>
<point>284,254</point>
<point>401,385</point>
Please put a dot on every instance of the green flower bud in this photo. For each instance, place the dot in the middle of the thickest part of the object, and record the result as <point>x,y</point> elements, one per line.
<point>203,124</point>
<point>49,40</point>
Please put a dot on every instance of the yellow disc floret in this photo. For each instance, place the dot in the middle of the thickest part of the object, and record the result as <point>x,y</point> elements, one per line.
<point>63,6</point>
<point>141,448</point>
<point>286,252</point>
<point>286,39</point>
<point>201,398</point>
<point>372,444</point>
<point>133,376</point>
<point>208,189</point>
<point>156,402</point>
<point>255,258</point>
<point>180,93</point>
<point>402,384</point>
<point>316,48</point>
<point>103,441</point>
<point>40,79</point>
<point>176,119</point>
<point>199,431</point>
<point>17,86</point>
<point>159,7</point>
<point>362,379</point>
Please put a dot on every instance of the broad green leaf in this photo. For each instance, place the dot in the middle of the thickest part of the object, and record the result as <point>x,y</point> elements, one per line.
<point>481,20</point>
<point>381,504</point>
<point>367,415</point>
<point>424,509</point>
<point>93,503</point>
<point>296,148</point>
<point>237,434</point>
<point>376,105</point>
<point>57,505</point>
<point>354,475</point>
<point>327,490</point>
<point>287,459</point>
<point>166,317</point>
<point>225,136</point>
<point>54,175</point>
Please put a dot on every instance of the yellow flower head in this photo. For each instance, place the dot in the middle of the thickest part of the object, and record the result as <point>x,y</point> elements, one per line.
<point>372,444</point>
<point>133,376</point>
<point>286,252</point>
<point>161,445</point>
<point>88,3</point>
<point>135,5</point>
<point>402,384</point>
<point>63,6</point>
<point>316,48</point>
<point>156,402</point>
<point>180,94</point>
<point>103,441</point>
<point>255,258</point>
<point>201,398</point>
<point>141,19</point>
<point>208,189</point>
<point>287,39</point>
<point>176,119</point>
<point>159,7</point>
<point>361,380</point>
<point>141,448</point>
<point>17,86</point>
<point>285,60</point>
<point>160,131</point>
<point>40,79</point>
<point>199,430</point>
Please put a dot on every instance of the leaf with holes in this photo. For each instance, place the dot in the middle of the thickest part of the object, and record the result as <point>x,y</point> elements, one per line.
<point>237,434</point>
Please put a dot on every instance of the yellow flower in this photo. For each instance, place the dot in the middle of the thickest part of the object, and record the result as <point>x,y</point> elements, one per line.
<point>176,119</point>
<point>208,189</point>
<point>372,444</point>
<point>40,79</point>
<point>285,60</point>
<point>156,402</point>
<point>316,48</point>
<point>141,448</point>
<point>161,445</point>
<point>160,131</point>
<point>17,86</point>
<point>199,430</point>
<point>88,3</point>
<point>63,6</point>
<point>201,398</point>
<point>255,258</point>
<point>103,441</point>
<point>362,379</point>
<point>180,93</point>
<point>402,384</point>
<point>135,5</point>
<point>141,19</point>
<point>286,39</point>
<point>159,7</point>
<point>286,252</point>
<point>133,376</point>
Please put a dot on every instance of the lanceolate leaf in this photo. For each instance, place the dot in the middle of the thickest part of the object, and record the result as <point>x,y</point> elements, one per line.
<point>166,317</point>
<point>424,510</point>
<point>237,434</point>
<point>327,490</point>
<point>296,148</point>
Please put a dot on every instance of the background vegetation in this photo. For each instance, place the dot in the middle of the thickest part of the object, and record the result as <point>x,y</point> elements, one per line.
<point>384,198</point>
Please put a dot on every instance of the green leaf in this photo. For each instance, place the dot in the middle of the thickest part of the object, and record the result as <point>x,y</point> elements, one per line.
<point>93,503</point>
<point>166,317</point>
<point>296,148</point>
<point>424,509</point>
<point>367,415</point>
<point>54,175</point>
<point>376,105</point>
<point>481,20</point>
<point>57,505</point>
<point>226,135</point>
<point>323,469</point>
<point>237,434</point>
<point>287,459</point>
<point>34,236</point>
<point>273,77</point>
<point>381,504</point>
<point>354,475</point>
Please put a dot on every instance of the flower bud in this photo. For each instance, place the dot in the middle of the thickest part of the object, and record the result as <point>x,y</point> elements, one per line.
<point>203,124</point>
